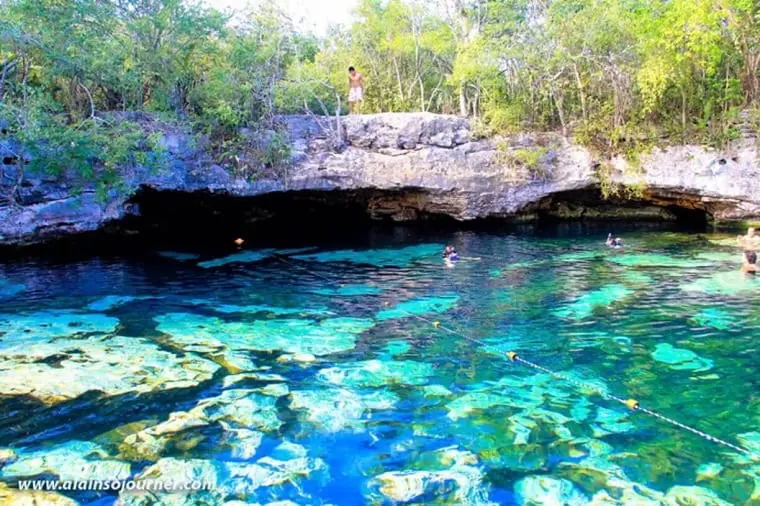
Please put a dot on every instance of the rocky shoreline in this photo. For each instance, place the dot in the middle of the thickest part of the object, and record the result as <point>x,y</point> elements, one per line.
<point>408,166</point>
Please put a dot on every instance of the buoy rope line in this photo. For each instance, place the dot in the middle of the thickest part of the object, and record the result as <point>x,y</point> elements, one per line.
<point>512,356</point>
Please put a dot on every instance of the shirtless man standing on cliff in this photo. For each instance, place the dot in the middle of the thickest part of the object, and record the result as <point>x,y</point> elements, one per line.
<point>355,91</point>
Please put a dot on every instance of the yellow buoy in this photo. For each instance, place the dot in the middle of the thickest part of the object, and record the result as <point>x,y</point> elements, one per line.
<point>436,324</point>
<point>239,241</point>
<point>632,404</point>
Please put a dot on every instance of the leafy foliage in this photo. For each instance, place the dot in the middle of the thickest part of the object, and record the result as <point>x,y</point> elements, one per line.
<point>618,75</point>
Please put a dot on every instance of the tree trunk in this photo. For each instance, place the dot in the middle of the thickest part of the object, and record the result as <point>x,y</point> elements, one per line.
<point>581,92</point>
<point>683,113</point>
<point>398,80</point>
<point>558,100</point>
<point>7,66</point>
<point>422,93</point>
<point>89,96</point>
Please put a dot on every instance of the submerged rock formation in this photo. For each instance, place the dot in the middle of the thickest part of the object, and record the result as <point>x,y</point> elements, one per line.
<point>406,166</point>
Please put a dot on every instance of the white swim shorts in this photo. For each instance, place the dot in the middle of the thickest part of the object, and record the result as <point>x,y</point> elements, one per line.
<point>355,95</point>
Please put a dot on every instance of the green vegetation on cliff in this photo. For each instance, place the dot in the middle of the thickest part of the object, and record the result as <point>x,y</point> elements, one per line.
<point>618,75</point>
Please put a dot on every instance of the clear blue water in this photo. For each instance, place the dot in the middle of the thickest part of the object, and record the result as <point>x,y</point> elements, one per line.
<point>345,385</point>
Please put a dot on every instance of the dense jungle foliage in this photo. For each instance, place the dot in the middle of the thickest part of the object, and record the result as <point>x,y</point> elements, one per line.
<point>615,74</point>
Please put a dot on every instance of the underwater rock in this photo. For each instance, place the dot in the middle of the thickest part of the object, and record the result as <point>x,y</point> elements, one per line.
<point>714,317</point>
<point>720,257</point>
<point>337,409</point>
<point>14,497</point>
<point>724,283</point>
<point>584,306</point>
<point>194,332</point>
<point>610,420</point>
<point>750,441</point>
<point>327,336</point>
<point>7,455</point>
<point>420,306</point>
<point>595,472</point>
<point>658,260</point>
<point>18,330</point>
<point>680,359</point>
<point>387,257</point>
<point>243,443</point>
<point>406,486</point>
<point>240,257</point>
<point>228,381</point>
<point>595,447</point>
<point>545,491</point>
<point>349,291</point>
<point>631,493</point>
<point>261,308</point>
<point>242,408</point>
<point>302,358</point>
<point>61,369</point>
<point>74,460</point>
<point>8,289</point>
<point>517,392</point>
<point>581,255</point>
<point>692,496</point>
<point>581,409</point>
<point>235,361</point>
<point>151,442</point>
<point>274,390</point>
<point>179,255</point>
<point>110,302</point>
<point>287,464</point>
<point>199,333</point>
<point>333,410</point>
<point>708,471</point>
<point>436,391</point>
<point>725,241</point>
<point>375,373</point>
<point>216,307</point>
<point>452,477</point>
<point>394,348</point>
<point>609,483</point>
<point>182,474</point>
<point>232,409</point>
<point>637,278</point>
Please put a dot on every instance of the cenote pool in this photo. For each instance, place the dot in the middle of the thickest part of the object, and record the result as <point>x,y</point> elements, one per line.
<point>314,374</point>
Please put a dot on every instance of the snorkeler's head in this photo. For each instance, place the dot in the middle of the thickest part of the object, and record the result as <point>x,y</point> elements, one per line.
<point>751,257</point>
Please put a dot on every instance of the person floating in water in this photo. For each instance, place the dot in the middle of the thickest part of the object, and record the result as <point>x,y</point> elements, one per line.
<point>614,242</point>
<point>450,254</point>
<point>750,263</point>
<point>355,91</point>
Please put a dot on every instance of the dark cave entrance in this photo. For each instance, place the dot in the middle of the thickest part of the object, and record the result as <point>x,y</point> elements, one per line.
<point>169,216</point>
<point>590,205</point>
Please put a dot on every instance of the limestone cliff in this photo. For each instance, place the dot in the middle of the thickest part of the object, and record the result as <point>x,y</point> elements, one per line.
<point>415,164</point>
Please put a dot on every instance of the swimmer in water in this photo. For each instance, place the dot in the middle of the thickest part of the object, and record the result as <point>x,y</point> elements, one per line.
<point>750,263</point>
<point>450,254</point>
<point>613,242</point>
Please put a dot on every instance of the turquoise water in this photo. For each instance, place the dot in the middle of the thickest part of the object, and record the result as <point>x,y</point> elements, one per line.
<point>328,374</point>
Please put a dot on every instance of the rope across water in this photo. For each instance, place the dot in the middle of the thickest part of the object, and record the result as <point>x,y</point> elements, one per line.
<point>631,404</point>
